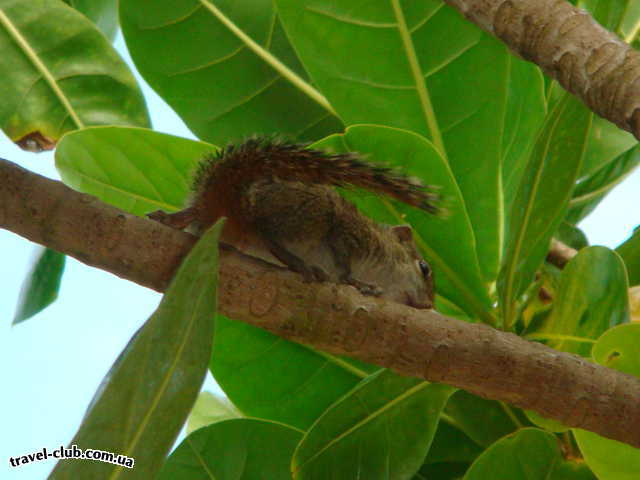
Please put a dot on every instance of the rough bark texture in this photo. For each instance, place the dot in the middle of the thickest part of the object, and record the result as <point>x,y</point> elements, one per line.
<point>332,318</point>
<point>570,46</point>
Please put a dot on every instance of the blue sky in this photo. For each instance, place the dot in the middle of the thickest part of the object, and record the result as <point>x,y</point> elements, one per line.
<point>52,364</point>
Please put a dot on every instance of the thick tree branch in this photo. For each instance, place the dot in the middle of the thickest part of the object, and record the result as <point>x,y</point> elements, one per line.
<point>332,318</point>
<point>569,46</point>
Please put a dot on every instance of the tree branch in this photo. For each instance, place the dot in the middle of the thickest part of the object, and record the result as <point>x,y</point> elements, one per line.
<point>333,318</point>
<point>560,253</point>
<point>569,46</point>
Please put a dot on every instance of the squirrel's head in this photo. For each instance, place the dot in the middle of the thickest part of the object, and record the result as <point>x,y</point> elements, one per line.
<point>417,286</point>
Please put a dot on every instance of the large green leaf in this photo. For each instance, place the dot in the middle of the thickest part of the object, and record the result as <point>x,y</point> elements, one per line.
<point>266,376</point>
<point>451,445</point>
<point>606,144</point>
<point>483,421</point>
<point>610,460</point>
<point>609,13</point>
<point>629,251</point>
<point>529,454</point>
<point>381,429</point>
<point>398,64</point>
<point>135,169</point>
<point>226,68</point>
<point>591,299</point>
<point>146,396</point>
<point>104,13</point>
<point>59,73</point>
<point>629,28</point>
<point>238,449</point>
<point>448,243</point>
<point>592,189</point>
<point>525,115</point>
<point>40,287</point>
<point>542,198</point>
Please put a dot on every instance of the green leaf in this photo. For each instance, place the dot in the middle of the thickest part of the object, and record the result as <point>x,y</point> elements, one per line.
<point>607,13</point>
<point>448,243</point>
<point>268,377</point>
<point>591,299</point>
<point>381,429</point>
<point>590,191</point>
<point>526,109</point>
<point>529,454</point>
<point>629,251</point>
<point>59,73</point>
<point>238,449</point>
<point>442,471</point>
<point>41,285</point>
<point>572,236</point>
<point>628,29</point>
<point>135,169</point>
<point>146,396</point>
<point>424,85</point>
<point>104,13</point>
<point>546,423</point>
<point>208,409</point>
<point>483,421</point>
<point>226,68</point>
<point>606,144</point>
<point>610,460</point>
<point>451,445</point>
<point>542,199</point>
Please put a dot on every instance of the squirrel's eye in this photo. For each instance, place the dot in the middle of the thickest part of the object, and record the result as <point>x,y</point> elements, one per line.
<point>424,268</point>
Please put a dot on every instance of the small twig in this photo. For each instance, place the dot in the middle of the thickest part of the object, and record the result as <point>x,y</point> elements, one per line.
<point>560,253</point>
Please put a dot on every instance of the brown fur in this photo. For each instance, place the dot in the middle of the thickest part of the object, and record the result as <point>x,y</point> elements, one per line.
<point>279,209</point>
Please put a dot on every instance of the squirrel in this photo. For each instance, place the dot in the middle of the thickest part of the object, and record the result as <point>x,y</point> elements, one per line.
<point>280,207</point>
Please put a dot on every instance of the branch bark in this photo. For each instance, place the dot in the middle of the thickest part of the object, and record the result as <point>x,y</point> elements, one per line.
<point>569,46</point>
<point>560,253</point>
<point>329,317</point>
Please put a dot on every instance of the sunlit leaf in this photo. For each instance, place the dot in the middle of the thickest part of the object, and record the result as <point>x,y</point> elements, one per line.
<point>629,251</point>
<point>208,409</point>
<point>226,67</point>
<point>59,73</point>
<point>542,199</point>
<point>135,169</point>
<point>104,13</point>
<point>592,298</point>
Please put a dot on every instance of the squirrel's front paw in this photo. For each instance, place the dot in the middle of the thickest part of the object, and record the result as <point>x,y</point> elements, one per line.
<point>363,288</point>
<point>314,274</point>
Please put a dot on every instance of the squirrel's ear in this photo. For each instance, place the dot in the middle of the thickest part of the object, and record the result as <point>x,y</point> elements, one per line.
<point>403,232</point>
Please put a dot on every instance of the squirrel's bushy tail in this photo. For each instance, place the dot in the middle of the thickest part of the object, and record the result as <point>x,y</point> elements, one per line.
<point>259,159</point>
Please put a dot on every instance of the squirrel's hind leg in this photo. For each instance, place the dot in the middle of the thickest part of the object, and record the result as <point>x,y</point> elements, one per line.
<point>310,273</point>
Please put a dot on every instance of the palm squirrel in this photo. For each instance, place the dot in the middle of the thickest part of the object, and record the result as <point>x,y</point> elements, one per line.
<point>279,207</point>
